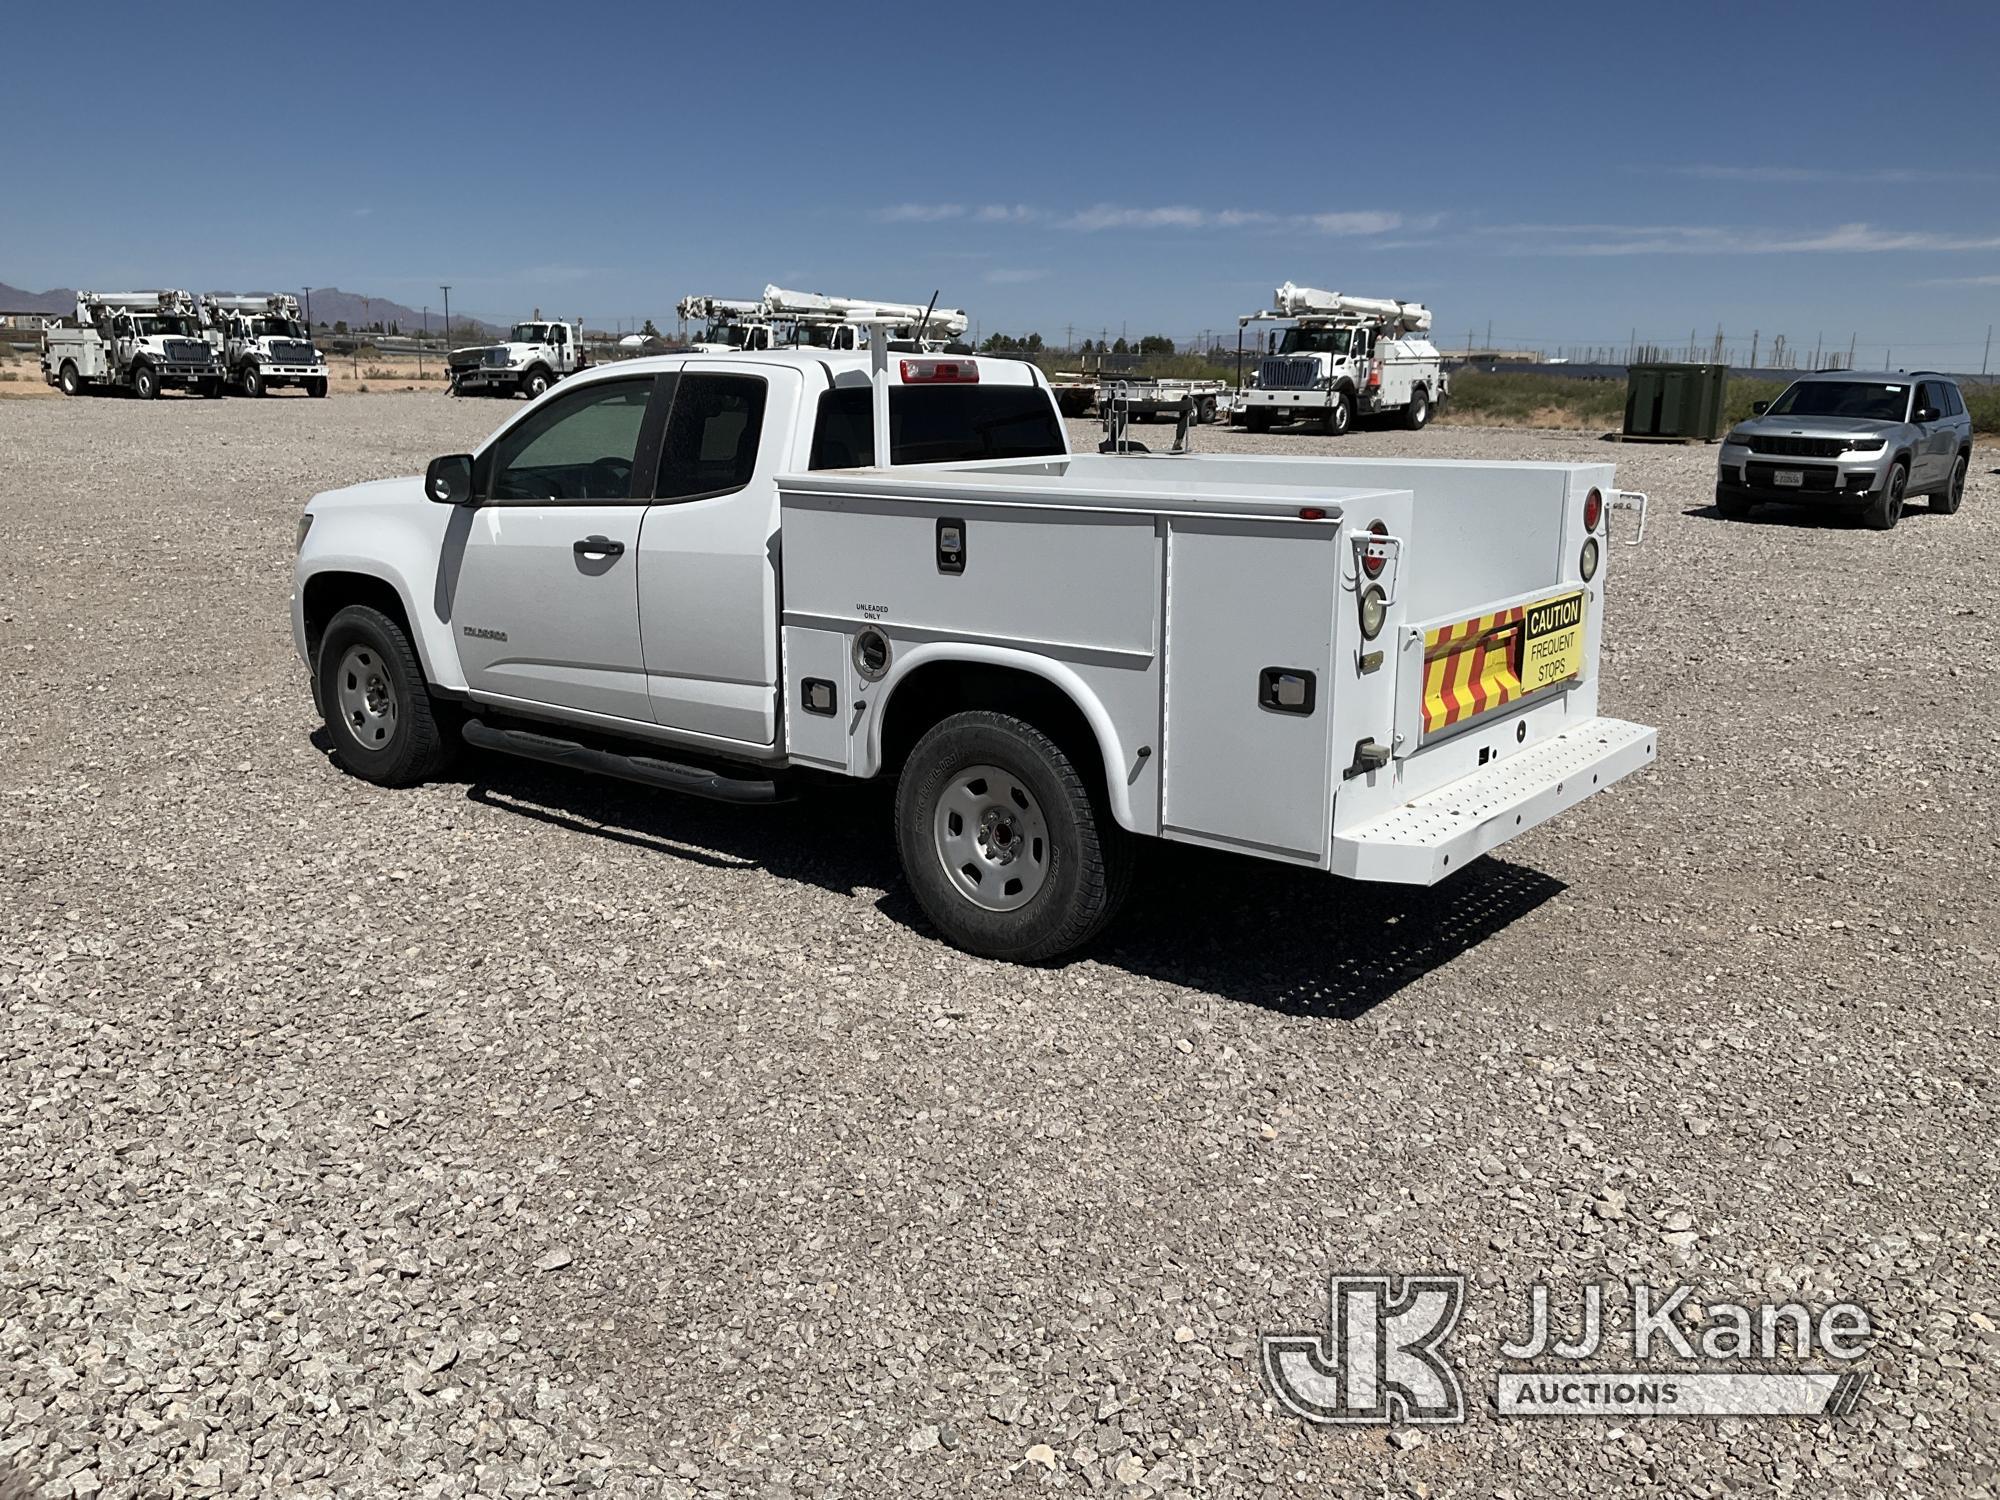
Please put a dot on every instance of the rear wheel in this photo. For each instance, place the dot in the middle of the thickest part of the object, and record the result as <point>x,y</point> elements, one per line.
<point>145,382</point>
<point>1205,412</point>
<point>1004,846</point>
<point>375,702</point>
<point>1947,500</point>
<point>1886,509</point>
<point>1417,415</point>
<point>68,381</point>
<point>251,380</point>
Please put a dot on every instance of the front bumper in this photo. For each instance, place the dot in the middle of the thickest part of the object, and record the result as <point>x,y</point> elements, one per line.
<point>175,373</point>
<point>1852,477</point>
<point>1430,836</point>
<point>1313,399</point>
<point>480,377</point>
<point>293,372</point>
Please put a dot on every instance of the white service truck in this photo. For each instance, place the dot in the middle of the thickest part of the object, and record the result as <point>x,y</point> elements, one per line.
<point>142,342</point>
<point>726,575</point>
<point>262,344</point>
<point>784,319</point>
<point>533,357</point>
<point>1336,357</point>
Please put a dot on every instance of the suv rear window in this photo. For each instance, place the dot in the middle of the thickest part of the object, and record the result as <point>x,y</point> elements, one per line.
<point>937,424</point>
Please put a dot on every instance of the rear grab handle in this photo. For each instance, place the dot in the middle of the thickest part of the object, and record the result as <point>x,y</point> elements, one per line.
<point>1629,500</point>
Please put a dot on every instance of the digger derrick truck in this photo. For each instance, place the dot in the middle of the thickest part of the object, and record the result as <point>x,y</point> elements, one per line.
<point>783,319</point>
<point>262,344</point>
<point>142,342</point>
<point>1336,357</point>
<point>533,357</point>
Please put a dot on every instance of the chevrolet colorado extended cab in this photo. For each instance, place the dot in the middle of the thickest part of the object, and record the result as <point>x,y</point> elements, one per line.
<point>726,574</point>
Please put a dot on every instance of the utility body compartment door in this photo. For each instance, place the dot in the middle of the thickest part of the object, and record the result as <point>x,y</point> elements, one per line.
<point>1250,680</point>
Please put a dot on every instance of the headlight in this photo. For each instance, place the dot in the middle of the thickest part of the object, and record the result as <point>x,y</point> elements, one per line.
<point>1864,445</point>
<point>305,525</point>
<point>1740,438</point>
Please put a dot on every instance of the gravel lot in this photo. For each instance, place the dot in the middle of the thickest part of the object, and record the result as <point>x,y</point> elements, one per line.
<point>529,1134</point>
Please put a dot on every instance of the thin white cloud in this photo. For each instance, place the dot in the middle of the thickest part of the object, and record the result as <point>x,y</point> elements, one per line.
<point>1104,216</point>
<point>1963,281</point>
<point>1005,213</point>
<point>1716,239</point>
<point>1006,276</point>
<point>1732,172</point>
<point>922,213</point>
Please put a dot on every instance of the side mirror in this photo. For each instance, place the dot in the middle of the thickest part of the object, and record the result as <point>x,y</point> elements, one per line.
<point>448,480</point>
<point>1758,408</point>
<point>1927,414</point>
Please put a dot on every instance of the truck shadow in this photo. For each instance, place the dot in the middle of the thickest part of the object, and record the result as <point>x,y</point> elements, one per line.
<point>1291,940</point>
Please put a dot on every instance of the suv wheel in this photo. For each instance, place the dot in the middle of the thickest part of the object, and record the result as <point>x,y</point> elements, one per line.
<point>375,702</point>
<point>1731,507</point>
<point>1003,845</point>
<point>1947,500</point>
<point>1886,509</point>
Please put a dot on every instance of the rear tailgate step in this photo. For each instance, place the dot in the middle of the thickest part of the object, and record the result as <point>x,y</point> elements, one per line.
<point>1427,838</point>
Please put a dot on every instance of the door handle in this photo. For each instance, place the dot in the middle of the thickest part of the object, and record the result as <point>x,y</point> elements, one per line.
<point>598,546</point>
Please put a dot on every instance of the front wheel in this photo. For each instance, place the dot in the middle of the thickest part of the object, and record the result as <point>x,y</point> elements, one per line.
<point>536,382</point>
<point>1003,844</point>
<point>315,385</point>
<point>145,382</point>
<point>1417,415</point>
<point>1886,509</point>
<point>1947,501</point>
<point>1340,414</point>
<point>251,379</point>
<point>375,702</point>
<point>1258,419</point>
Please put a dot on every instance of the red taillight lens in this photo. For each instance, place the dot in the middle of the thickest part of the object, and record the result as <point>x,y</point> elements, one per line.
<point>1375,375</point>
<point>940,372</point>
<point>1371,563</point>
<point>1593,510</point>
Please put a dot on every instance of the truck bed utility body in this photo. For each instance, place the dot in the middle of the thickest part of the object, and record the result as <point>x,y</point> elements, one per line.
<point>1377,668</point>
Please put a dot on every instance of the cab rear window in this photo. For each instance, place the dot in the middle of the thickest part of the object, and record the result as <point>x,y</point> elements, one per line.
<point>938,424</point>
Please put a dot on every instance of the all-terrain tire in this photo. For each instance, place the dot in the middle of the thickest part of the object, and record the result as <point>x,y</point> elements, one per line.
<point>1886,509</point>
<point>1087,859</point>
<point>375,702</point>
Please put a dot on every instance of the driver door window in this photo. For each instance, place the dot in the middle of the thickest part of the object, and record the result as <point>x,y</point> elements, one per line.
<point>582,446</point>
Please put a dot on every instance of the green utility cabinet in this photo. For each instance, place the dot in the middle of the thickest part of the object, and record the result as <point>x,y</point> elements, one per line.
<point>1675,403</point>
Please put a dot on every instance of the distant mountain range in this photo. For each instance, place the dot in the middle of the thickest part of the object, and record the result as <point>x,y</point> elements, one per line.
<point>330,305</point>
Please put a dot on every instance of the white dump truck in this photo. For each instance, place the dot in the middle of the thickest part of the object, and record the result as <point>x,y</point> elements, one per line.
<point>728,575</point>
<point>142,342</point>
<point>533,357</point>
<point>784,319</point>
<point>1331,357</point>
<point>262,344</point>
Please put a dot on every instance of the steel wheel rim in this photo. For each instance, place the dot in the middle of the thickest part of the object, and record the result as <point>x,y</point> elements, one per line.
<point>367,696</point>
<point>991,838</point>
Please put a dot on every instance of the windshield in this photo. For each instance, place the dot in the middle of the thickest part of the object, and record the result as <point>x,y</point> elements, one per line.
<point>275,328</point>
<point>938,424</point>
<point>1843,398</point>
<point>529,333</point>
<point>725,333</point>
<point>165,325</point>
<point>1316,341</point>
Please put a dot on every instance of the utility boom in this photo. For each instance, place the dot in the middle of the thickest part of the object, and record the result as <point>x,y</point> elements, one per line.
<point>784,319</point>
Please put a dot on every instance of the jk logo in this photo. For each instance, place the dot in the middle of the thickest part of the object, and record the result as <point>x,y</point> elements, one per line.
<point>1379,1359</point>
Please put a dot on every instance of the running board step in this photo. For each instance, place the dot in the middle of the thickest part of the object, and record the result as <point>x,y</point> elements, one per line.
<point>666,775</point>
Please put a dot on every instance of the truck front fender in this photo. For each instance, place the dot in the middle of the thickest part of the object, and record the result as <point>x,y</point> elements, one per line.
<point>1126,770</point>
<point>346,557</point>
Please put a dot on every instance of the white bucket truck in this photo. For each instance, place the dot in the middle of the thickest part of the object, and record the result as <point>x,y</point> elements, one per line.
<point>784,319</point>
<point>142,342</point>
<point>725,575</point>
<point>533,357</point>
<point>263,345</point>
<point>1335,357</point>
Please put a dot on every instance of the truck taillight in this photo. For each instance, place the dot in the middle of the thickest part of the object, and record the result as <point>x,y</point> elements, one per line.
<point>1375,373</point>
<point>940,372</point>
<point>1373,562</point>
<point>1593,510</point>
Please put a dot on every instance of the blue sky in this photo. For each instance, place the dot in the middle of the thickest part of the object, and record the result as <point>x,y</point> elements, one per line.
<point>1813,170</point>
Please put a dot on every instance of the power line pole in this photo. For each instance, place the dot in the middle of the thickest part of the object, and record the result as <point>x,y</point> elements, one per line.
<point>447,322</point>
<point>1755,333</point>
<point>1989,351</point>
<point>1851,338</point>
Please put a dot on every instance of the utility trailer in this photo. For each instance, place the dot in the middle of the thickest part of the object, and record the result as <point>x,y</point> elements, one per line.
<point>1147,398</point>
<point>142,342</point>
